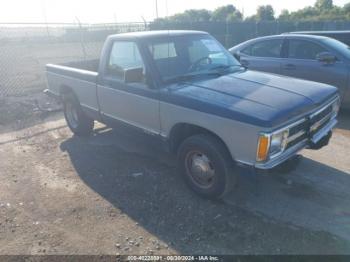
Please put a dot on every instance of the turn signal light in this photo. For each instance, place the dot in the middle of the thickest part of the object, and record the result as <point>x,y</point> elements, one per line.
<point>263,148</point>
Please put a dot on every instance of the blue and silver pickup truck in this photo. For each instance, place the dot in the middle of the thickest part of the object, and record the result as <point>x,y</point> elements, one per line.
<point>186,90</point>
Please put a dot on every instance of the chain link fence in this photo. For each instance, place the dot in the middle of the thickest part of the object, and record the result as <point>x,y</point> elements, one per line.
<point>26,48</point>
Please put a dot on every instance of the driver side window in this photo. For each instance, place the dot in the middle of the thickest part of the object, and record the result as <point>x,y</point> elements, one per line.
<point>124,55</point>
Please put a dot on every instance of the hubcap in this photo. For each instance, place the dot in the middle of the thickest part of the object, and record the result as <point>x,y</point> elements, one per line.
<point>72,115</point>
<point>200,169</point>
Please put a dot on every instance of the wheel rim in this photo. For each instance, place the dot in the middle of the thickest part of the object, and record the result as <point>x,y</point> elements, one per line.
<point>72,115</point>
<point>200,169</point>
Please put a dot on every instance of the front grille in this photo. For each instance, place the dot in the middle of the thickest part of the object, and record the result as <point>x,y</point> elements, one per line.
<point>295,129</point>
<point>318,121</point>
<point>297,140</point>
<point>310,126</point>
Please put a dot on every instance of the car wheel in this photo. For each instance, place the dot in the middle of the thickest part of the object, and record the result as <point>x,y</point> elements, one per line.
<point>78,122</point>
<point>207,166</point>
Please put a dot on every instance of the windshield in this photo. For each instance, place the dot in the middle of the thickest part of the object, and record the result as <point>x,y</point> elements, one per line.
<point>176,57</point>
<point>339,47</point>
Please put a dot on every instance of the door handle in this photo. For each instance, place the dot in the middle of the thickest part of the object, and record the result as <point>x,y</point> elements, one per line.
<point>289,67</point>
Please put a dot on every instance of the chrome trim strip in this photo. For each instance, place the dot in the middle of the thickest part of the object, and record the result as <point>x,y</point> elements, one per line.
<point>324,131</point>
<point>287,127</point>
<point>320,122</point>
<point>324,107</point>
<point>295,136</point>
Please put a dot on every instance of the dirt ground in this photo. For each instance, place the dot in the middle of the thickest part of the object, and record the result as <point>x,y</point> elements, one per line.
<point>113,193</point>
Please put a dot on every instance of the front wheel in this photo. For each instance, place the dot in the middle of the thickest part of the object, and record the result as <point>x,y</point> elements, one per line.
<point>207,166</point>
<point>78,122</point>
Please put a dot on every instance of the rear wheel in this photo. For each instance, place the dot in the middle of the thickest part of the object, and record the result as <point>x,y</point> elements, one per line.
<point>78,122</point>
<point>207,166</point>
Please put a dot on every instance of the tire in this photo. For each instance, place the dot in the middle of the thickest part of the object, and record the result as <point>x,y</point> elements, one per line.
<point>207,166</point>
<point>78,122</point>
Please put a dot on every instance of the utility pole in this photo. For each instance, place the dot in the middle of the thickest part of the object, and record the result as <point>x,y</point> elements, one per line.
<point>156,8</point>
<point>43,6</point>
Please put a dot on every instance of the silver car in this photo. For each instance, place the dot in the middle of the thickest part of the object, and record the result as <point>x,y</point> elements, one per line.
<point>309,57</point>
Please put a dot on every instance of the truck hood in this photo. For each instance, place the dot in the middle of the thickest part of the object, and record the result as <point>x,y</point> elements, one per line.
<point>258,98</point>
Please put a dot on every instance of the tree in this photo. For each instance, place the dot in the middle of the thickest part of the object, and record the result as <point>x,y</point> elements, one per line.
<point>324,5</point>
<point>346,8</point>
<point>192,15</point>
<point>323,10</point>
<point>265,13</point>
<point>189,16</point>
<point>284,16</point>
<point>226,13</point>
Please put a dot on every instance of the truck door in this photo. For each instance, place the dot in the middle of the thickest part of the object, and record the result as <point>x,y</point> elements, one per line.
<point>131,102</point>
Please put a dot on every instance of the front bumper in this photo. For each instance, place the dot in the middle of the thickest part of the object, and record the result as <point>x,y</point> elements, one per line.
<point>319,140</point>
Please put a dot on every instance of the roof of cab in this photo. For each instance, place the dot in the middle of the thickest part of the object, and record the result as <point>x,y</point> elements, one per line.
<point>156,34</point>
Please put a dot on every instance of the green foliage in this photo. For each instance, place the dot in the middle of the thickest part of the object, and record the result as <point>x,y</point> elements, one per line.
<point>324,4</point>
<point>323,10</point>
<point>265,13</point>
<point>192,15</point>
<point>285,15</point>
<point>347,8</point>
<point>227,13</point>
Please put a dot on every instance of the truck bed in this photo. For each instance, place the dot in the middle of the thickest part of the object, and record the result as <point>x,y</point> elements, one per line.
<point>89,65</point>
<point>80,76</point>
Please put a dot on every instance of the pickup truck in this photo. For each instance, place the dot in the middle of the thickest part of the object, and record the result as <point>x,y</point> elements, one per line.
<point>185,90</point>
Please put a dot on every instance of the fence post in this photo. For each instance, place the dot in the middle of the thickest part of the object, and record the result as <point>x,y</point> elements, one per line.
<point>82,38</point>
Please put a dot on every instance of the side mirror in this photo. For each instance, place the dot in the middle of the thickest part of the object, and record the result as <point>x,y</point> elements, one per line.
<point>134,75</point>
<point>326,57</point>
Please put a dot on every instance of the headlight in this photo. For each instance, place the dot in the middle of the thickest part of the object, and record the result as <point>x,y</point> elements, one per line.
<point>278,142</point>
<point>336,106</point>
<point>271,145</point>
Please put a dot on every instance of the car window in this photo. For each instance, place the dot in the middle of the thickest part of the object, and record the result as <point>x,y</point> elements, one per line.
<point>124,55</point>
<point>268,48</point>
<point>301,49</point>
<point>202,48</point>
<point>197,50</point>
<point>247,50</point>
<point>163,50</point>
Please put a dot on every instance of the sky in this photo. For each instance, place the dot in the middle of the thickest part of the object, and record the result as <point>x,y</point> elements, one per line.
<point>110,11</point>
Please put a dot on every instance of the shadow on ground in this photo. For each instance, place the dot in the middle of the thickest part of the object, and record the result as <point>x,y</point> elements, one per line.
<point>142,182</point>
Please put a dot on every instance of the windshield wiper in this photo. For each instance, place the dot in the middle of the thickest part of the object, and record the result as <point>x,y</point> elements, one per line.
<point>183,78</point>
